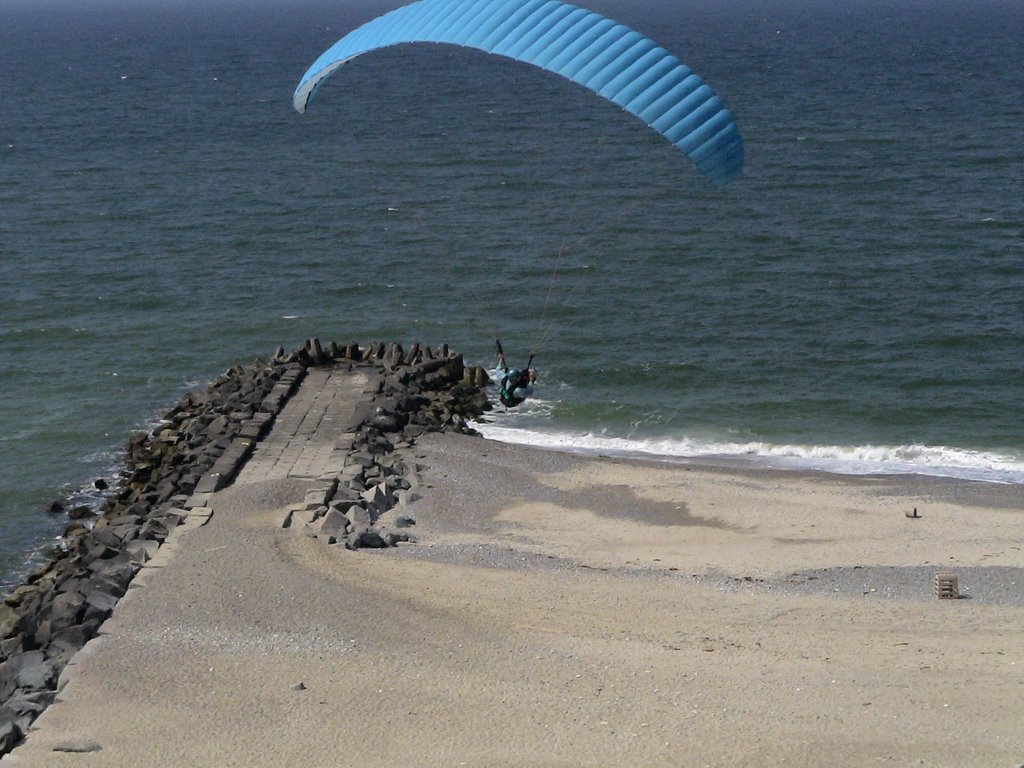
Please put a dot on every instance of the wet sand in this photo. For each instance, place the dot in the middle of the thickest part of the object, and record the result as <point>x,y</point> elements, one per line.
<point>559,610</point>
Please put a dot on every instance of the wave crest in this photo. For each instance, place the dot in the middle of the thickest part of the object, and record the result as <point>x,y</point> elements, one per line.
<point>939,461</point>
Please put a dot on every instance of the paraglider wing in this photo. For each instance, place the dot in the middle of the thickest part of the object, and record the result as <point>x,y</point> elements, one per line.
<point>600,54</point>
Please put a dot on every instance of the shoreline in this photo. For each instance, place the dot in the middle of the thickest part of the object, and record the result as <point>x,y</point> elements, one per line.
<point>541,607</point>
<point>905,580</point>
<point>88,495</point>
<point>784,502</point>
<point>832,459</point>
<point>755,465</point>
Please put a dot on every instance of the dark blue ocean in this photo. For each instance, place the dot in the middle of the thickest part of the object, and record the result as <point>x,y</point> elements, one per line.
<point>854,302</point>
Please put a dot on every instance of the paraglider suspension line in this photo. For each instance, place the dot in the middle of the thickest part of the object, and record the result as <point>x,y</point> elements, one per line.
<point>544,325</point>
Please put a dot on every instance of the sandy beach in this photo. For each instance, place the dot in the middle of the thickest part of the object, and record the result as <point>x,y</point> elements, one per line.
<point>560,610</point>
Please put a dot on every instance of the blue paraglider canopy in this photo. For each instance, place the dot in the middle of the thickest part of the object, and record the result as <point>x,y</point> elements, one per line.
<point>608,58</point>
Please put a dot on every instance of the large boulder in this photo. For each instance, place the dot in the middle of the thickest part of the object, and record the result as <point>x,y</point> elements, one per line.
<point>31,670</point>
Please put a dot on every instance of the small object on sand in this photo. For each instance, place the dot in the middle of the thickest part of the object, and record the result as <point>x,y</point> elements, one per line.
<point>913,515</point>
<point>299,686</point>
<point>946,586</point>
<point>79,745</point>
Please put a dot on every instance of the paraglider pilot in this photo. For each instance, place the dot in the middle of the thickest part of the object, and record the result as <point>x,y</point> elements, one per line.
<point>514,384</point>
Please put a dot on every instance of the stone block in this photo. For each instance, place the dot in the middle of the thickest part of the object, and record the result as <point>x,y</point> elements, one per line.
<point>314,499</point>
<point>251,430</point>
<point>360,458</point>
<point>358,517</point>
<point>198,499</point>
<point>104,584</point>
<point>64,610</point>
<point>367,538</point>
<point>31,670</point>
<point>407,496</point>
<point>334,523</point>
<point>101,600</point>
<point>376,497</point>
<point>208,484</point>
<point>343,505</point>
<point>392,538</point>
<point>142,550</point>
<point>305,517</point>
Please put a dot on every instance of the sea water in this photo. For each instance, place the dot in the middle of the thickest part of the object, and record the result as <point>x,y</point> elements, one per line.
<point>855,302</point>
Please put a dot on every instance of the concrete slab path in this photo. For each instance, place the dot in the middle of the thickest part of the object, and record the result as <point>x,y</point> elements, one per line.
<point>309,435</point>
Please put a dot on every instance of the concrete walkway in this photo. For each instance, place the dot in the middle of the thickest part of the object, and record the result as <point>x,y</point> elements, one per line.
<point>308,439</point>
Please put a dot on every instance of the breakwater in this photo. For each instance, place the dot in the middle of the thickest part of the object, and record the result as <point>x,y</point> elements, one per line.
<point>198,448</point>
<point>415,391</point>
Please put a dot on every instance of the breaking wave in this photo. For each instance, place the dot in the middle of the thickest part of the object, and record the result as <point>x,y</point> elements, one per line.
<point>938,461</point>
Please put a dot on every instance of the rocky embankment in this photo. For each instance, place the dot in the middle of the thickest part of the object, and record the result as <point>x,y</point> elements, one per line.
<point>198,448</point>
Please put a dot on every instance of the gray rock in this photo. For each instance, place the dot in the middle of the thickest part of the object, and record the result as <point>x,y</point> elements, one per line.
<point>217,427</point>
<point>75,528</point>
<point>392,538</point>
<point>10,733</point>
<point>365,538</point>
<point>358,517</point>
<point>157,529</point>
<point>105,536</point>
<point>30,669</point>
<point>386,422</point>
<point>81,512</point>
<point>406,496</point>
<point>64,609</point>
<point>343,505</point>
<point>334,523</point>
<point>376,496</point>
<point>125,532</point>
<point>102,601</point>
<point>361,457</point>
<point>142,550</point>
<point>120,568</point>
<point>30,703</point>
<point>44,629</point>
<point>103,583</point>
<point>10,645</point>
<point>66,643</point>
<point>305,517</point>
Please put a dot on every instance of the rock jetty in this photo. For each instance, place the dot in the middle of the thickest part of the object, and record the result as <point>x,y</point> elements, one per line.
<point>416,391</point>
<point>198,448</point>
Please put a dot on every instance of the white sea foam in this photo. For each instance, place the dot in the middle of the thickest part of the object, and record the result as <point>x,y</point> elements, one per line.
<point>939,461</point>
